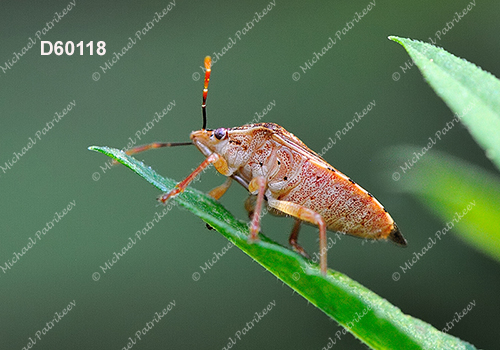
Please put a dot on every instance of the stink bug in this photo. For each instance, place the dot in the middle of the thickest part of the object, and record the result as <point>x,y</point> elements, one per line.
<point>279,169</point>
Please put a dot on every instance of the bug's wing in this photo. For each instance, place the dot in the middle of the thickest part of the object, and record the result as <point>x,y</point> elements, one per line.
<point>285,138</point>
<point>290,140</point>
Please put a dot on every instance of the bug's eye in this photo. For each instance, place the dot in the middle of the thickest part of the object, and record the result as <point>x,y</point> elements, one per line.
<point>220,133</point>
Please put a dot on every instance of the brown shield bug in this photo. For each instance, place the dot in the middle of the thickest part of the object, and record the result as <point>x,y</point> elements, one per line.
<point>279,169</point>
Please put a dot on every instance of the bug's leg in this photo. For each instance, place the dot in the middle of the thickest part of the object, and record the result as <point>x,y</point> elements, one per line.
<point>219,191</point>
<point>250,203</point>
<point>294,237</point>
<point>306,214</point>
<point>214,158</point>
<point>257,185</point>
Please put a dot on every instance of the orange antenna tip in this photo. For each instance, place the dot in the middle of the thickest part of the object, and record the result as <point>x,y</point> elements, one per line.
<point>208,62</point>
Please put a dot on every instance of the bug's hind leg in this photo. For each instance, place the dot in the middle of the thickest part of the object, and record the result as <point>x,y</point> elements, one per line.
<point>293,240</point>
<point>306,214</point>
<point>250,204</point>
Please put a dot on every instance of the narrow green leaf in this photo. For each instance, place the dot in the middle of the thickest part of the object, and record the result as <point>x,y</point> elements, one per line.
<point>366,315</point>
<point>471,93</point>
<point>446,186</point>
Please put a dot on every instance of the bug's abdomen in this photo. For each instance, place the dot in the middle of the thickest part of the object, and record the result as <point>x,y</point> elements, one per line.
<point>344,205</point>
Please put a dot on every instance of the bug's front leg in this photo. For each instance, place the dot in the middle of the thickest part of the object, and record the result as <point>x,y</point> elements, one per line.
<point>214,158</point>
<point>257,186</point>
<point>306,214</point>
<point>219,191</point>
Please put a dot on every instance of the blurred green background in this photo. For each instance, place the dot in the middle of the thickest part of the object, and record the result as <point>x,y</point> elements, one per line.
<point>112,205</point>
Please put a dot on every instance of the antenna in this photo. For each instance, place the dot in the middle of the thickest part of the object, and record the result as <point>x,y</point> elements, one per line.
<point>142,148</point>
<point>208,65</point>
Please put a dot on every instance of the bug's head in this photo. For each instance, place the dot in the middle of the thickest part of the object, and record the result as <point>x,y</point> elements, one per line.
<point>210,141</point>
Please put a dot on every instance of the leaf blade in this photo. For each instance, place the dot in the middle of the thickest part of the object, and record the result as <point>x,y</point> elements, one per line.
<point>446,185</point>
<point>471,93</point>
<point>381,326</point>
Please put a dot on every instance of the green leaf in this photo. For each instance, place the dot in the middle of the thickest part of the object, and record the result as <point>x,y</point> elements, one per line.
<point>366,315</point>
<point>446,186</point>
<point>471,93</point>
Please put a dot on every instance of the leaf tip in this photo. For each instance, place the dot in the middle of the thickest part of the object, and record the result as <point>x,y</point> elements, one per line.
<point>396,39</point>
<point>99,149</point>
